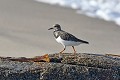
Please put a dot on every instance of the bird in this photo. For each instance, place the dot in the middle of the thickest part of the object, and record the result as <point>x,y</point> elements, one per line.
<point>65,38</point>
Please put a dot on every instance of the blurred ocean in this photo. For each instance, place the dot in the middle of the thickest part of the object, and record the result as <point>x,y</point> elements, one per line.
<point>108,10</point>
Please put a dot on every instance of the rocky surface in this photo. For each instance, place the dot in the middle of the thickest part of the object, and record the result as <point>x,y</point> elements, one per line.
<point>82,67</point>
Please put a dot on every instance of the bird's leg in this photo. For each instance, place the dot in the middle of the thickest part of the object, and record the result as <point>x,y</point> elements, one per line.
<point>74,50</point>
<point>75,56</point>
<point>62,51</point>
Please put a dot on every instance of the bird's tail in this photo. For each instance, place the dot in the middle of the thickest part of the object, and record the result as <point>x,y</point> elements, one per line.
<point>85,42</point>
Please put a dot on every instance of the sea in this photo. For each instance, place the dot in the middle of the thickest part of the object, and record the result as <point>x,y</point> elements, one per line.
<point>108,10</point>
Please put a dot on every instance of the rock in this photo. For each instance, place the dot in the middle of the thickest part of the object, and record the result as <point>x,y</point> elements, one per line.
<point>82,67</point>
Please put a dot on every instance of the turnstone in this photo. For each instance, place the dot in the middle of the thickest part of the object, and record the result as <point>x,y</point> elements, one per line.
<point>65,38</point>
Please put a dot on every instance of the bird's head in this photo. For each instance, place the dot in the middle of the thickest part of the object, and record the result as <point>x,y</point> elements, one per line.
<point>56,27</point>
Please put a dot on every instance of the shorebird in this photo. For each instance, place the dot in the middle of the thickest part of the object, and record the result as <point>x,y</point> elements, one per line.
<point>65,38</point>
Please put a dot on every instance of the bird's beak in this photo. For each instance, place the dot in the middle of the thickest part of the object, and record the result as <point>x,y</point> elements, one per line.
<point>50,28</point>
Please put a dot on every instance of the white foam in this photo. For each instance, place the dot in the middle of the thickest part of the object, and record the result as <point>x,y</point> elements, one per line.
<point>117,21</point>
<point>105,9</point>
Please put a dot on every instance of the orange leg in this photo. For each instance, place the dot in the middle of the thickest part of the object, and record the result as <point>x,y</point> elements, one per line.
<point>63,50</point>
<point>74,50</point>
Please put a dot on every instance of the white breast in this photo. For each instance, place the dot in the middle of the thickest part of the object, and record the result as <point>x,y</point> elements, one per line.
<point>67,43</point>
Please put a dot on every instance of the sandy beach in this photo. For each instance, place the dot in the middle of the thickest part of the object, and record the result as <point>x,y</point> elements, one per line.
<point>24,30</point>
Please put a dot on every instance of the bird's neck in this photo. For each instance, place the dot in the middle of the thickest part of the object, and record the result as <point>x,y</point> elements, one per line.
<point>57,30</point>
<point>56,34</point>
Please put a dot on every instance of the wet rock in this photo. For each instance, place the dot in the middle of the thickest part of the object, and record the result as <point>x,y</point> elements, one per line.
<point>69,67</point>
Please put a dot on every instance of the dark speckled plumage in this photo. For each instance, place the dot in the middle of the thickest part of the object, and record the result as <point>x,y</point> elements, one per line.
<point>67,36</point>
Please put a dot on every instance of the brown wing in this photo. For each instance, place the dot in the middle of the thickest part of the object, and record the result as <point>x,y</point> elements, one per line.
<point>67,36</point>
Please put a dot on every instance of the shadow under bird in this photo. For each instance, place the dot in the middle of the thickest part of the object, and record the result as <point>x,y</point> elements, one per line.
<point>65,38</point>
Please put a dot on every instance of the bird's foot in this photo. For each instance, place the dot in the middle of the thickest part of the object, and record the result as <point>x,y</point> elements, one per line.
<point>60,56</point>
<point>74,56</point>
